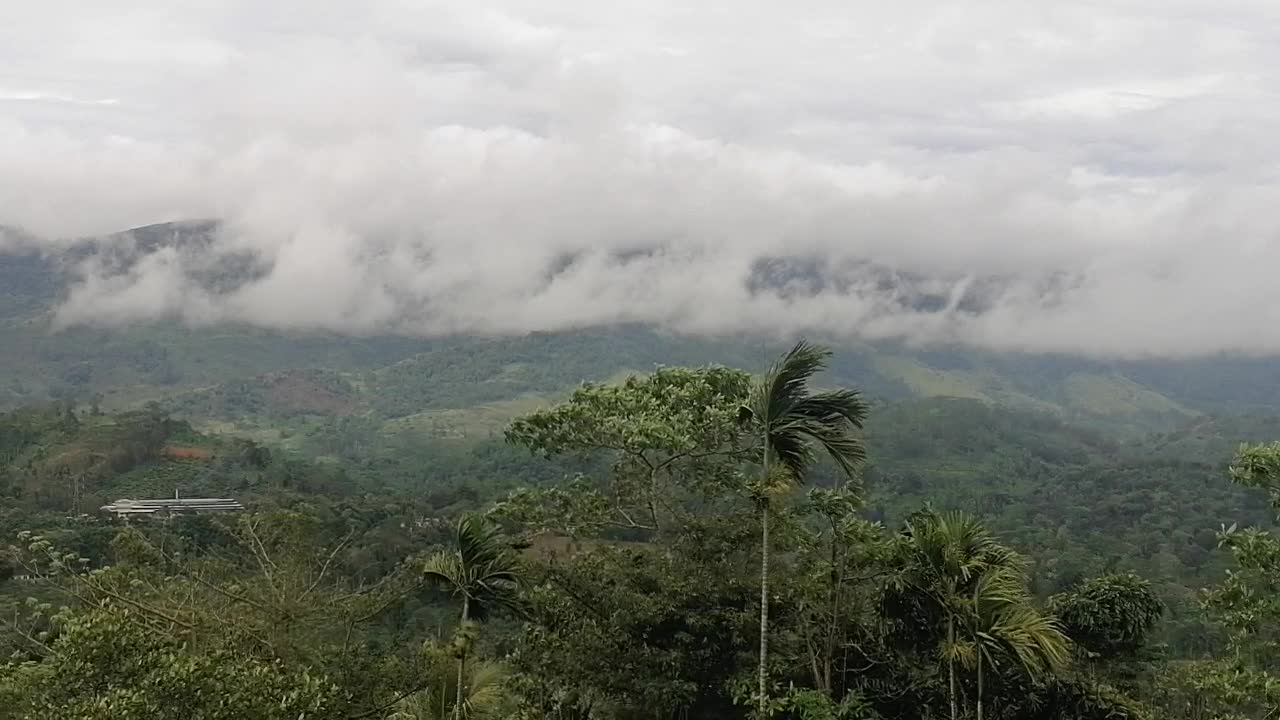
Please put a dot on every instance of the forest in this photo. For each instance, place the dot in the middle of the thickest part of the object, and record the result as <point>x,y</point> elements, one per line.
<point>694,542</point>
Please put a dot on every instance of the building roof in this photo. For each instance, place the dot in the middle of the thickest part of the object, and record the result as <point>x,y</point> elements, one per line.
<point>126,506</point>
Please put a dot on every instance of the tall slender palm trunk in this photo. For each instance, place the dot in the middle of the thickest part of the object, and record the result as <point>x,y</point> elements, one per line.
<point>833,627</point>
<point>979,685</point>
<point>793,423</point>
<point>951,662</point>
<point>764,608</point>
<point>764,593</point>
<point>462,660</point>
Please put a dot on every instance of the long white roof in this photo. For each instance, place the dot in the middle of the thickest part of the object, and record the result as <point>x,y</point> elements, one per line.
<point>142,507</point>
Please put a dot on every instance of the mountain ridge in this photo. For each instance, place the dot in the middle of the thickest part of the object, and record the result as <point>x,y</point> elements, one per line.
<point>401,375</point>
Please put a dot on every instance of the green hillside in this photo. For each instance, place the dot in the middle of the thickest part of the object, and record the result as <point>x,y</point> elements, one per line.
<point>231,366</point>
<point>1088,464</point>
<point>323,454</point>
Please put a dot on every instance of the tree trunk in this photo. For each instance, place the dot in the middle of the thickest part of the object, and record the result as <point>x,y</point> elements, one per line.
<point>814,660</point>
<point>951,662</point>
<point>979,685</point>
<point>462,659</point>
<point>833,629</point>
<point>653,506</point>
<point>764,601</point>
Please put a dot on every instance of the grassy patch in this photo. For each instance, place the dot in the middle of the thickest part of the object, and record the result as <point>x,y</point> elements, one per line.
<point>1115,395</point>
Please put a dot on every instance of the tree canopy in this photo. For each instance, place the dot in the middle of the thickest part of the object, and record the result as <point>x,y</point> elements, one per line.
<point>650,548</point>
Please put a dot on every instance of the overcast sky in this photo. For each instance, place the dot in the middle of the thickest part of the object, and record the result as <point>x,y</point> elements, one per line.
<point>532,165</point>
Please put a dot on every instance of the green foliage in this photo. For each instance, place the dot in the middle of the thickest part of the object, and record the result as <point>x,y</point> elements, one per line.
<point>964,593</point>
<point>486,695</point>
<point>665,435</point>
<point>672,413</point>
<point>485,574</point>
<point>639,628</point>
<point>1246,601</point>
<point>1109,617</point>
<point>274,596</point>
<point>808,704</point>
<point>787,425</point>
<point>104,665</point>
<point>632,592</point>
<point>790,423</point>
<point>482,570</point>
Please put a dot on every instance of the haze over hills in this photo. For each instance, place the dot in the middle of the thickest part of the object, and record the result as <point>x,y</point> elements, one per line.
<point>402,278</point>
<point>1006,434</point>
<point>150,353</point>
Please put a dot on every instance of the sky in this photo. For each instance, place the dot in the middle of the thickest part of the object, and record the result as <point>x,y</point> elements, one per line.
<point>1099,178</point>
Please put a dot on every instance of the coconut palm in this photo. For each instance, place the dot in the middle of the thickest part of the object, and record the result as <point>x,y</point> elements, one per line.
<point>790,426</point>
<point>482,571</point>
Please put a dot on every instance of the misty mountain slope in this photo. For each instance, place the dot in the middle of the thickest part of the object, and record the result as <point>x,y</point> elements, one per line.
<point>129,365</point>
<point>30,283</point>
<point>469,387</point>
<point>36,275</point>
<point>1209,438</point>
<point>222,369</point>
<point>1081,393</point>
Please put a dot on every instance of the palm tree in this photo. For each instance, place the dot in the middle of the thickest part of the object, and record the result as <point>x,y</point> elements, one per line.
<point>790,425</point>
<point>484,573</point>
<point>946,554</point>
<point>484,696</point>
<point>974,585</point>
<point>1002,623</point>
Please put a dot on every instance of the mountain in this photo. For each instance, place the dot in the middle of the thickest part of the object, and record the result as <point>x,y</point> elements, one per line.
<point>1088,465</point>
<point>218,371</point>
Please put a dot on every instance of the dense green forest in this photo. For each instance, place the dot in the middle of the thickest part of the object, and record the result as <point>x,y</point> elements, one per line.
<point>691,542</point>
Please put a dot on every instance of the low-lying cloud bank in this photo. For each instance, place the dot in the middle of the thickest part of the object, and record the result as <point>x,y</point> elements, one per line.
<point>1097,179</point>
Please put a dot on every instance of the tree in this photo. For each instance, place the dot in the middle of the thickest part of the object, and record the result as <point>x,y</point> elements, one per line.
<point>840,561</point>
<point>105,665</point>
<point>485,696</point>
<point>668,435</point>
<point>644,629</point>
<point>788,425</point>
<point>1002,624</point>
<point>1109,617</point>
<point>969,592</point>
<point>484,573</point>
<point>273,595</point>
<point>1246,684</point>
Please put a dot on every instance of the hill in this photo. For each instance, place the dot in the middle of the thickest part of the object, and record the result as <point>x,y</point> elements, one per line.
<point>399,376</point>
<point>1092,463</point>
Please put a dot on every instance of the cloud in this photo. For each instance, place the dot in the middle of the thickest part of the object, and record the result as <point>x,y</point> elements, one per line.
<point>38,96</point>
<point>1097,178</point>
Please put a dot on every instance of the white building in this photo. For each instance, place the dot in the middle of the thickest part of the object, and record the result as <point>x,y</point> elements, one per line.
<point>125,508</point>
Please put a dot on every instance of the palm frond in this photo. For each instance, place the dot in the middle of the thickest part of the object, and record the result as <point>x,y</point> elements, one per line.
<point>478,540</point>
<point>1036,641</point>
<point>833,405</point>
<point>845,448</point>
<point>791,451</point>
<point>483,568</point>
<point>794,424</point>
<point>445,568</point>
<point>485,693</point>
<point>787,381</point>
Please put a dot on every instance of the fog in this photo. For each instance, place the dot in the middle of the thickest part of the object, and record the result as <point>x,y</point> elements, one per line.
<point>1099,178</point>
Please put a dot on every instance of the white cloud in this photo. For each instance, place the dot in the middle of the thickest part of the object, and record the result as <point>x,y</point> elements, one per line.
<point>446,167</point>
<point>39,96</point>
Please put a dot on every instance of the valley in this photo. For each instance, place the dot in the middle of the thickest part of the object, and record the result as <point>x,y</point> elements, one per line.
<point>1091,468</point>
